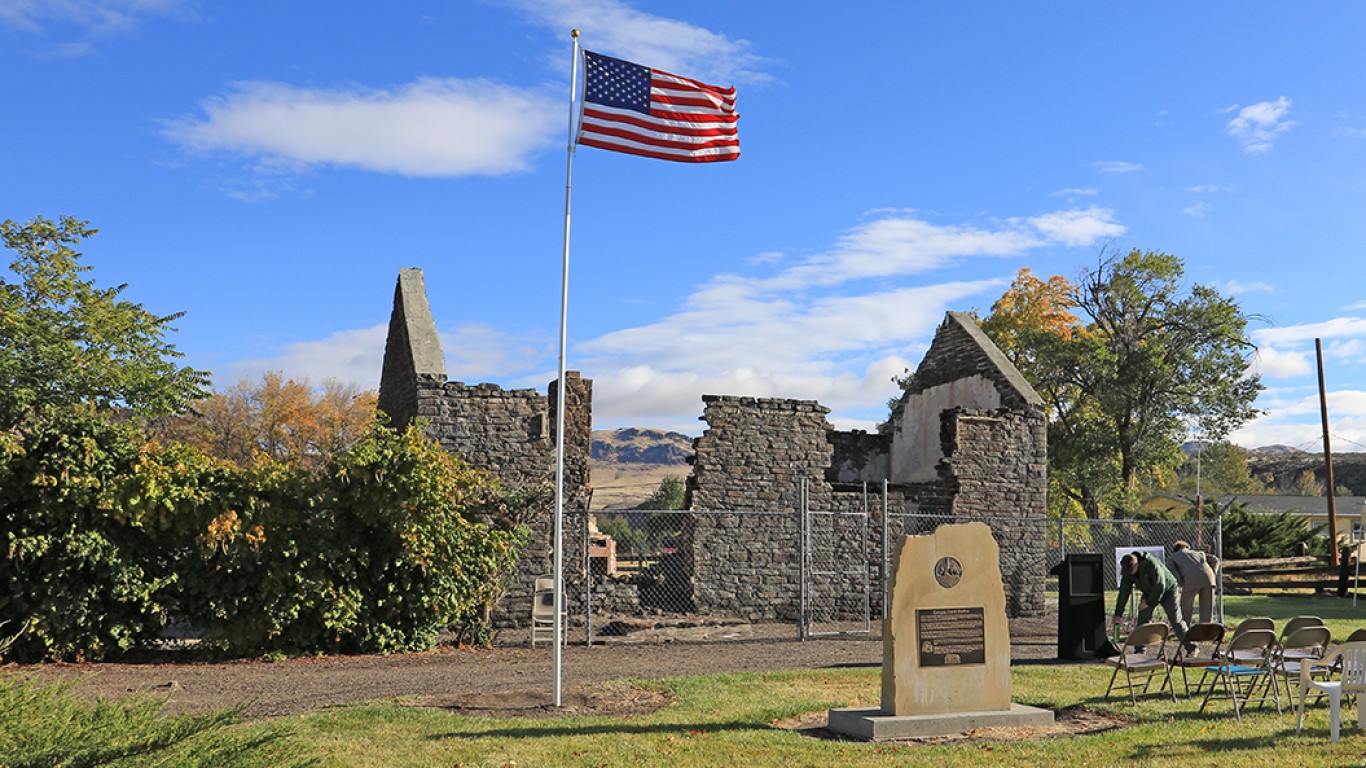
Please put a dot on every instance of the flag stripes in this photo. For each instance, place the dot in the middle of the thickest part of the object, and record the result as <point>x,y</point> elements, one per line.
<point>640,111</point>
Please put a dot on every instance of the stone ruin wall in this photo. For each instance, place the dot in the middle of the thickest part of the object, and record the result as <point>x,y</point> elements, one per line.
<point>974,462</point>
<point>507,432</point>
<point>511,434</point>
<point>750,461</point>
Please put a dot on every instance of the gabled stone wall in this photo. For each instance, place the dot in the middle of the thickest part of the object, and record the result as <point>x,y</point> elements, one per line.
<point>981,452</point>
<point>509,433</point>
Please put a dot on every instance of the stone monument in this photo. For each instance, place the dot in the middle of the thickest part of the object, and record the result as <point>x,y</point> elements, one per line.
<point>946,643</point>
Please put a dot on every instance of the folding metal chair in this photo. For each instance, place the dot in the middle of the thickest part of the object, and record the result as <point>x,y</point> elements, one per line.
<point>543,610</point>
<point>1145,664</point>
<point>1206,641</point>
<point>1245,664</point>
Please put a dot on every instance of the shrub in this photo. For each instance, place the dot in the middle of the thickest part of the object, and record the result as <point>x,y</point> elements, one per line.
<point>375,555</point>
<point>73,569</point>
<point>1249,534</point>
<point>48,725</point>
<point>107,537</point>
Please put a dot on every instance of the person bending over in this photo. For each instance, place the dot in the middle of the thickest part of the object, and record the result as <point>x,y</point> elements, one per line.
<point>1195,569</point>
<point>1156,586</point>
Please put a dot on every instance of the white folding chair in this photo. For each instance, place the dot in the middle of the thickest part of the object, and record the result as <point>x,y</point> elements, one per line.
<point>543,611</point>
<point>1352,682</point>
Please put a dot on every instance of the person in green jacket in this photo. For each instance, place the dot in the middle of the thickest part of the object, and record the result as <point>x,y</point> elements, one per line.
<point>1156,586</point>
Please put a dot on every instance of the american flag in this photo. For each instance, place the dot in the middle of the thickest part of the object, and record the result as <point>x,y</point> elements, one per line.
<point>641,111</point>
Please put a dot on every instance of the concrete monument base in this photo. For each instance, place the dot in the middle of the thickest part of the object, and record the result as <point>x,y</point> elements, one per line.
<point>876,725</point>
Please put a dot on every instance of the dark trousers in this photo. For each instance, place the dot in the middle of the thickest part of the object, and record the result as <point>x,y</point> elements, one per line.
<point>1168,601</point>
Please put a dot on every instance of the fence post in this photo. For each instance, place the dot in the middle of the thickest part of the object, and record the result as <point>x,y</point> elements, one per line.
<point>886,542</point>
<point>587,585</point>
<point>863,537</point>
<point>803,564</point>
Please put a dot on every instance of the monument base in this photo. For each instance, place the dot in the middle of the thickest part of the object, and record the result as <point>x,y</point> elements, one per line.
<point>875,725</point>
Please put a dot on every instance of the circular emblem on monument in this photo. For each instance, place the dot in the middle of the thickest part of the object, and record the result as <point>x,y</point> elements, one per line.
<point>948,572</point>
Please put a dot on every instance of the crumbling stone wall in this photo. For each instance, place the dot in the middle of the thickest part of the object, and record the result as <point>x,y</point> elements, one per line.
<point>996,464</point>
<point>750,462</point>
<point>509,433</point>
<point>980,452</point>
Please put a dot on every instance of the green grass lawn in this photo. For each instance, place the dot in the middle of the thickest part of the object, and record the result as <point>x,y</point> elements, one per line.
<point>729,720</point>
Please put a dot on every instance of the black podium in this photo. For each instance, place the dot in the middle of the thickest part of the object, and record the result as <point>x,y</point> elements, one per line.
<point>1081,606</point>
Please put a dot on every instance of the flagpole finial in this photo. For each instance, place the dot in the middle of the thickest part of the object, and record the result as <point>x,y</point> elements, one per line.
<point>574,33</point>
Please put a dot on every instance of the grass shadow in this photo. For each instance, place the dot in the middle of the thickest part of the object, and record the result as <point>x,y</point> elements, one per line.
<point>565,728</point>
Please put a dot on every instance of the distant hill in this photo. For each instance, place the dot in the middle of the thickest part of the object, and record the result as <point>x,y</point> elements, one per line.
<point>629,463</point>
<point>640,446</point>
<point>1349,469</point>
<point>1275,450</point>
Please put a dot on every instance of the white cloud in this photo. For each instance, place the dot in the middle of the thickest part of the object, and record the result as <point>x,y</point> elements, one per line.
<point>1337,328</point>
<point>1351,349</point>
<point>1258,126</point>
<point>1238,287</point>
<point>1078,227</point>
<point>1117,166</point>
<point>899,244</point>
<point>1076,192</point>
<point>1271,362</point>
<point>1206,188</point>
<point>474,353</point>
<point>354,356</point>
<point>1349,133</point>
<point>1198,210</point>
<point>432,127</point>
<point>617,29</point>
<point>1356,306</point>
<point>1298,423</point>
<point>94,16</point>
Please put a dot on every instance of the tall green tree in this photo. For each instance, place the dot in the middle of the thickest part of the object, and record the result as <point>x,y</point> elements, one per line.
<point>66,341</point>
<point>1146,356</point>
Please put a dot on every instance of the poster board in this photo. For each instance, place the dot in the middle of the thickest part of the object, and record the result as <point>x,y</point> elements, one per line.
<point>1158,553</point>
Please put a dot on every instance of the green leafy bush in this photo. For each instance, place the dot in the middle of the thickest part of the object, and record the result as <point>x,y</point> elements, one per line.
<point>72,568</point>
<point>375,555</point>
<point>107,538</point>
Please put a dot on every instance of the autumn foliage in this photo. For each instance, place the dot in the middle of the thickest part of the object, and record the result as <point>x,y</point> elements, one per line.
<point>283,420</point>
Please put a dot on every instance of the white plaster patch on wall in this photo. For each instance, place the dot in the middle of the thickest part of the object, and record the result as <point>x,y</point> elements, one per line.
<point>916,449</point>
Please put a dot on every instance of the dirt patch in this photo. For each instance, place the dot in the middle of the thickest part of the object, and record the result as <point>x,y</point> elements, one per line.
<point>1068,722</point>
<point>615,700</point>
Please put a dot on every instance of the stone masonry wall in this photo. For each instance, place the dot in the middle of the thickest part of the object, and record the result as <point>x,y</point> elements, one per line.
<point>752,459</point>
<point>509,433</point>
<point>750,462</point>
<point>997,461</point>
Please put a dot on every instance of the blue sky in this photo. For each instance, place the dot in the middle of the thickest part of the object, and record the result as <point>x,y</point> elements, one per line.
<point>269,167</point>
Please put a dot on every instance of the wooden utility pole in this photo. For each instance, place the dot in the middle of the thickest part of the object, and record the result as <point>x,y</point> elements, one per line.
<point>1329,488</point>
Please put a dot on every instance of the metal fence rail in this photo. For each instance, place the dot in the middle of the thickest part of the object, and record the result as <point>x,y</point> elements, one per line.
<point>729,574</point>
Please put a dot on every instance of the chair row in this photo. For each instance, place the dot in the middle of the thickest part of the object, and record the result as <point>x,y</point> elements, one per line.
<point>1250,667</point>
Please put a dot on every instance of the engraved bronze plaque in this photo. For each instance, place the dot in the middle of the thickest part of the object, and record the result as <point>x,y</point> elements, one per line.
<point>948,572</point>
<point>950,637</point>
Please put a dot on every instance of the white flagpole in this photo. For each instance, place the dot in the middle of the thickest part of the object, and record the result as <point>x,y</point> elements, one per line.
<point>562,404</point>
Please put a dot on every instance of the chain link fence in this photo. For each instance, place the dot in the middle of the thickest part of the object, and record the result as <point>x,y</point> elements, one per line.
<point>668,575</point>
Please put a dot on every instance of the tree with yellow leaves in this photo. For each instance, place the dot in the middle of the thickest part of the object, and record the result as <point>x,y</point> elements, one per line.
<point>287,420</point>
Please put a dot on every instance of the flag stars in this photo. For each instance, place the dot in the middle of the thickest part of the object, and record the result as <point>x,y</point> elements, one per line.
<point>616,83</point>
